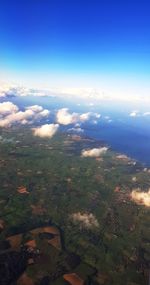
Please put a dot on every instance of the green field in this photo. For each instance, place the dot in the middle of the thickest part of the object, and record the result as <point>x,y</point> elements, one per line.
<point>108,230</point>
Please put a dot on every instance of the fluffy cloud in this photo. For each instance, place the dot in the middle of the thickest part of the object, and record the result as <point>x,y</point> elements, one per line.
<point>18,117</point>
<point>94,152</point>
<point>64,117</point>
<point>7,108</point>
<point>87,220</point>
<point>89,116</point>
<point>10,114</point>
<point>141,198</point>
<point>35,108</point>
<point>85,117</point>
<point>46,131</point>
<point>4,89</point>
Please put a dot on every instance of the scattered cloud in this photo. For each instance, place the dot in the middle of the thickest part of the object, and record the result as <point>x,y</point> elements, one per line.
<point>106,117</point>
<point>139,114</point>
<point>7,108</point>
<point>146,114</point>
<point>35,108</point>
<point>76,130</point>
<point>95,122</point>
<point>94,152</point>
<point>134,113</point>
<point>64,117</point>
<point>85,117</point>
<point>87,220</point>
<point>141,198</point>
<point>10,114</point>
<point>97,115</point>
<point>46,131</point>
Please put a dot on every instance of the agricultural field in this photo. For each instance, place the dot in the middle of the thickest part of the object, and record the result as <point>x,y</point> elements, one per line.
<point>63,213</point>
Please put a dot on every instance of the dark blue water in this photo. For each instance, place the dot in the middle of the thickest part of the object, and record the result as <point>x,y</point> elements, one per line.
<point>124,139</point>
<point>124,134</point>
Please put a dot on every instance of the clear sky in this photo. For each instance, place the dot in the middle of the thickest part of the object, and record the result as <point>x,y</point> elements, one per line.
<point>66,43</point>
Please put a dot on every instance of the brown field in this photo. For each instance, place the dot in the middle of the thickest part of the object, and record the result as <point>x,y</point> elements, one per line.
<point>31,243</point>
<point>25,280</point>
<point>15,241</point>
<point>73,279</point>
<point>50,230</point>
<point>22,190</point>
<point>37,210</point>
<point>56,242</point>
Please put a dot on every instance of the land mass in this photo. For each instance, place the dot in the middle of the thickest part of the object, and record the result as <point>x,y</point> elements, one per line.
<point>68,216</point>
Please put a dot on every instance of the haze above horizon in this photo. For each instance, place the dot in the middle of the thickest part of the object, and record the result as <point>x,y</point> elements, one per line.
<point>77,44</point>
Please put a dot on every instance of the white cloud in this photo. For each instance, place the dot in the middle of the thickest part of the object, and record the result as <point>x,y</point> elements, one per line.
<point>87,220</point>
<point>139,114</point>
<point>141,198</point>
<point>18,117</point>
<point>40,112</point>
<point>92,96</point>
<point>7,108</point>
<point>90,115</point>
<point>10,114</point>
<point>7,90</point>
<point>85,117</point>
<point>146,114</point>
<point>44,113</point>
<point>77,125</point>
<point>4,88</point>
<point>134,113</point>
<point>66,118</point>
<point>95,152</point>
<point>47,130</point>
<point>35,108</point>
<point>76,130</point>
<point>97,115</point>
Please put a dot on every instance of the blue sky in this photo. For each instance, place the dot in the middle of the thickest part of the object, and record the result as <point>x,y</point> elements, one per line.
<point>98,44</point>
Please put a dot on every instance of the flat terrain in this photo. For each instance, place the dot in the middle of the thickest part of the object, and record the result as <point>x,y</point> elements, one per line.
<point>62,213</point>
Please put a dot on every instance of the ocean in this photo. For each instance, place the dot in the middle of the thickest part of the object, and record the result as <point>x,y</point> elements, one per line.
<point>123,133</point>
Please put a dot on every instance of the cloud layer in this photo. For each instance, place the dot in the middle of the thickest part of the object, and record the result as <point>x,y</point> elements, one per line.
<point>94,152</point>
<point>46,131</point>
<point>96,95</point>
